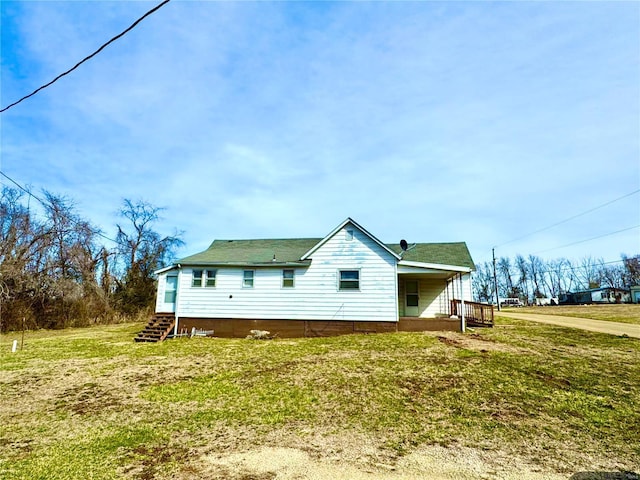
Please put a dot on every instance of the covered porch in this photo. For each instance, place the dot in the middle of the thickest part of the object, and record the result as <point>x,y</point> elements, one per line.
<point>435,297</point>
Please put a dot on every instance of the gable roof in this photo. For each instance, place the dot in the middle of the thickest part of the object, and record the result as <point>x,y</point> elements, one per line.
<point>298,251</point>
<point>290,252</point>
<point>253,252</point>
<point>455,253</point>
<point>359,227</point>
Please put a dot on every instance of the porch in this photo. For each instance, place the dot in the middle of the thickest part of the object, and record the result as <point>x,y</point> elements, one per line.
<point>428,298</point>
<point>475,314</point>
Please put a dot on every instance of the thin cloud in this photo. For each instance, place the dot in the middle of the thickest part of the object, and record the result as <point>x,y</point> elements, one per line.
<point>442,121</point>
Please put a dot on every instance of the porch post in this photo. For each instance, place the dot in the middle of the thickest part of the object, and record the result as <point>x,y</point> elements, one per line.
<point>175,312</point>
<point>462,319</point>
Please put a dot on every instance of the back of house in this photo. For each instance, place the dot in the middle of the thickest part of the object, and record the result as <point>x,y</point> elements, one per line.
<point>345,282</point>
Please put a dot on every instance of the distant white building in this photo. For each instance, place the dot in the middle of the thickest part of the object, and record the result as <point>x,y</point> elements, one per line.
<point>548,301</point>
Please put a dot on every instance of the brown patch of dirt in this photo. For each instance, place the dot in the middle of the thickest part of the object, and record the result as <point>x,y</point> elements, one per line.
<point>474,341</point>
<point>436,463</point>
<point>16,449</point>
<point>86,399</point>
<point>150,460</point>
<point>551,380</point>
<point>318,455</point>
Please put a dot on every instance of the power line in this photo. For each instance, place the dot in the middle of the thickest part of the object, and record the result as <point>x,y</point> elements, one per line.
<point>569,219</point>
<point>28,192</point>
<point>133,25</point>
<point>44,204</point>
<point>570,267</point>
<point>588,239</point>
<point>576,267</point>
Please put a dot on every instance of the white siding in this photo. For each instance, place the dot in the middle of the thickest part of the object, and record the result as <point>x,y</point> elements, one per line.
<point>466,288</point>
<point>433,296</point>
<point>315,295</point>
<point>160,294</point>
<point>161,306</point>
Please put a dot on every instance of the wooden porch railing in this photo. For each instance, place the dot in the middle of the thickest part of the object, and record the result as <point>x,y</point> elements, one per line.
<point>476,314</point>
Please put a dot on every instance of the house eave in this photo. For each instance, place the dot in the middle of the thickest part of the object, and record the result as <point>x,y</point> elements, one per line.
<point>433,266</point>
<point>166,269</point>
<point>248,264</point>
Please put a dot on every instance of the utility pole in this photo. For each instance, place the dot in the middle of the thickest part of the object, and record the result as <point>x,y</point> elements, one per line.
<point>495,277</point>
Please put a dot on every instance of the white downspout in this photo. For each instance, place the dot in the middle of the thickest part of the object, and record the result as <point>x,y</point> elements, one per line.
<point>175,327</point>
<point>397,294</point>
<point>462,321</point>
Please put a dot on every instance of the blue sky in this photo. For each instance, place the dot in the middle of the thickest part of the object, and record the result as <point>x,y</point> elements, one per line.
<point>429,121</point>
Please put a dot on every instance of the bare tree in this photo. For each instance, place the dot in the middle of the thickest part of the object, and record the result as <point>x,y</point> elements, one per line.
<point>47,267</point>
<point>506,284</point>
<point>523,273</point>
<point>536,273</point>
<point>54,273</point>
<point>71,261</point>
<point>141,251</point>
<point>631,270</point>
<point>483,284</point>
<point>556,278</point>
<point>588,272</point>
<point>22,253</point>
<point>612,275</point>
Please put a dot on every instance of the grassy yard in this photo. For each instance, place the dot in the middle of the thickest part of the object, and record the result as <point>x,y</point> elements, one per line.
<point>625,313</point>
<point>91,403</point>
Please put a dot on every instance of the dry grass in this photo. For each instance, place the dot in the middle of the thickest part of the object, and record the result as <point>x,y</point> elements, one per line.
<point>625,313</point>
<point>90,403</point>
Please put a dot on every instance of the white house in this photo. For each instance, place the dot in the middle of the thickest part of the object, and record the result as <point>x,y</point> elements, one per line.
<point>348,281</point>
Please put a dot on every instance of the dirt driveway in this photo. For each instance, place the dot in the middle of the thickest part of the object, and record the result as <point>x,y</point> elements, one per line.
<point>614,328</point>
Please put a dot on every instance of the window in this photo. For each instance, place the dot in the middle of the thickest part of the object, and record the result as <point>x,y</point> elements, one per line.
<point>287,278</point>
<point>348,235</point>
<point>210,280</point>
<point>170,289</point>
<point>196,280</point>
<point>247,279</point>
<point>349,280</point>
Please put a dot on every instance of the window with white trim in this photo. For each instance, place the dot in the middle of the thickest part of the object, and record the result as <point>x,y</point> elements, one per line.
<point>247,278</point>
<point>210,278</point>
<point>288,278</point>
<point>196,278</point>
<point>349,280</point>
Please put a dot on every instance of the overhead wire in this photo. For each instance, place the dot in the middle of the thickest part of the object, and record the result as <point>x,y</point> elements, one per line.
<point>571,218</point>
<point>44,204</point>
<point>89,57</point>
<point>588,239</point>
<point>576,267</point>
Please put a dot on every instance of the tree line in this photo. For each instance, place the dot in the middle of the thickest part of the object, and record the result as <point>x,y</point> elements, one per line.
<point>58,270</point>
<point>528,278</point>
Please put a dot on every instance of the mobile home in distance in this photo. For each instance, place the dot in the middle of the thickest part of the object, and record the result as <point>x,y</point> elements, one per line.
<point>596,295</point>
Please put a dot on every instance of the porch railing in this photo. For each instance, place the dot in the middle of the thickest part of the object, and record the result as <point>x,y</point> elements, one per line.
<point>475,314</point>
